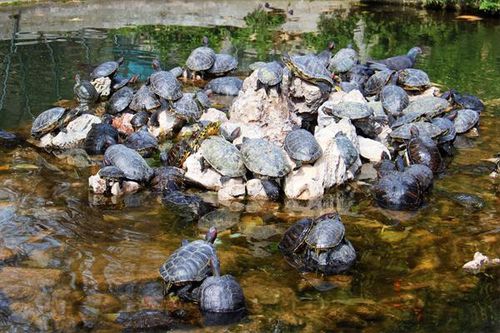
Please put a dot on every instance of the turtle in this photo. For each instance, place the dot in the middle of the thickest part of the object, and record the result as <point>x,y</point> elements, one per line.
<point>108,68</point>
<point>325,55</point>
<point>223,64</point>
<point>190,264</point>
<point>227,85</point>
<point>144,99</point>
<point>145,320</point>
<point>397,190</point>
<point>413,79</point>
<point>399,62</point>
<point>119,81</point>
<point>167,178</point>
<point>302,146</point>
<point>347,149</point>
<point>327,232</point>
<point>464,101</point>
<point>222,218</point>
<point>140,119</point>
<point>178,154</point>
<point>377,81</point>
<point>201,59</point>
<point>445,141</point>
<point>111,173</point>
<point>129,161</point>
<point>176,71</point>
<point>188,207</point>
<point>47,121</point>
<point>221,300</point>
<point>334,261</point>
<point>256,65</point>
<point>404,132</point>
<point>223,156</point>
<point>308,68</point>
<point>99,138</point>
<point>425,107</point>
<point>344,60</point>
<point>350,110</point>
<point>164,84</point>
<point>142,142</point>
<point>84,91</point>
<point>421,149</point>
<point>394,99</point>
<point>187,108</point>
<point>469,201</point>
<point>293,240</point>
<point>8,139</point>
<point>202,100</point>
<point>264,158</point>
<point>422,173</point>
<point>270,75</point>
<point>120,100</point>
<point>465,120</point>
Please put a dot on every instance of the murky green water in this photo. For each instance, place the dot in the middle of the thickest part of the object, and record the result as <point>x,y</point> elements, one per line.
<point>68,265</point>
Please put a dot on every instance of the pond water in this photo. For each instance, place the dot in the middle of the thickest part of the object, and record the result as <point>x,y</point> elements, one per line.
<point>67,264</point>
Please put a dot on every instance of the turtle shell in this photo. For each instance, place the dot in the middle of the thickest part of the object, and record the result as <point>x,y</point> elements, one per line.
<point>187,107</point>
<point>111,172</point>
<point>465,120</point>
<point>85,92</point>
<point>328,232</point>
<point>105,69</point>
<point>143,142</point>
<point>302,146</point>
<point>448,128</point>
<point>377,81</point>
<point>309,68</point>
<point>202,100</point>
<point>351,110</point>
<point>221,294</point>
<point>423,150</point>
<point>120,100</point>
<point>428,129</point>
<point>140,119</point>
<point>422,173</point>
<point>223,156</point>
<point>398,191</point>
<point>343,60</point>
<point>270,74</point>
<point>176,71</point>
<point>347,149</point>
<point>144,99</point>
<point>265,158</point>
<point>394,99</point>
<point>428,106</point>
<point>46,121</point>
<point>294,237</point>
<point>413,79</point>
<point>332,261</point>
<point>201,59</point>
<point>99,138</point>
<point>224,63</point>
<point>227,85</point>
<point>190,263</point>
<point>129,161</point>
<point>165,85</point>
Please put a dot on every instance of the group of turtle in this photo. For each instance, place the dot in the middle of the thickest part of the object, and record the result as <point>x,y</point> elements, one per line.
<point>193,273</point>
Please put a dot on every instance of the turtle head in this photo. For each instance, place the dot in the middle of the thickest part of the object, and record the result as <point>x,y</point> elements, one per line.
<point>451,115</point>
<point>204,40</point>
<point>331,45</point>
<point>120,60</point>
<point>77,78</point>
<point>285,57</point>
<point>385,156</point>
<point>414,51</point>
<point>414,131</point>
<point>156,64</point>
<point>211,235</point>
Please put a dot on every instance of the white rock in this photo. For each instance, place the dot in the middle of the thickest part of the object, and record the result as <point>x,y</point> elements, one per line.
<point>76,132</point>
<point>102,85</point>
<point>269,113</point>
<point>116,189</point>
<point>129,186</point>
<point>230,130</point>
<point>45,141</point>
<point>213,115</point>
<point>336,96</point>
<point>208,178</point>
<point>371,150</point>
<point>324,118</point>
<point>255,189</point>
<point>432,91</point>
<point>232,189</point>
<point>304,183</point>
<point>97,184</point>
<point>167,123</point>
<point>368,172</point>
<point>309,95</point>
<point>354,96</point>
<point>250,131</point>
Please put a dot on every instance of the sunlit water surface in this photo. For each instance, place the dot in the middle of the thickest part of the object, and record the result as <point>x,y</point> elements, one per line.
<point>67,264</point>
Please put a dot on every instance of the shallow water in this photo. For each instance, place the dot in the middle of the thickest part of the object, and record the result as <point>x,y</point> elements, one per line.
<point>70,264</point>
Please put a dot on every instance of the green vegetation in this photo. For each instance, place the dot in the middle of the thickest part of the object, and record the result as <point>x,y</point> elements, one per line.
<point>487,6</point>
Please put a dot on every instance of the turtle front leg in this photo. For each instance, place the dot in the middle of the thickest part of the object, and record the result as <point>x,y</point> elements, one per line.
<point>189,293</point>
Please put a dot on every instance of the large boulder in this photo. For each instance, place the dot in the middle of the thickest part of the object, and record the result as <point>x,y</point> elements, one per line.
<point>75,132</point>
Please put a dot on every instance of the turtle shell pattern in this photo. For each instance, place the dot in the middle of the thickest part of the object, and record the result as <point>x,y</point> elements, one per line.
<point>224,63</point>
<point>302,146</point>
<point>265,158</point>
<point>465,120</point>
<point>201,59</point>
<point>166,85</point>
<point>327,233</point>
<point>144,99</point>
<point>223,156</point>
<point>46,121</point>
<point>308,68</point>
<point>221,294</point>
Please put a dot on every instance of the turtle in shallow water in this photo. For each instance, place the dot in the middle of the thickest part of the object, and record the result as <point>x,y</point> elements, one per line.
<point>190,264</point>
<point>178,154</point>
<point>465,120</point>
<point>421,149</point>
<point>302,146</point>
<point>308,68</point>
<point>47,121</point>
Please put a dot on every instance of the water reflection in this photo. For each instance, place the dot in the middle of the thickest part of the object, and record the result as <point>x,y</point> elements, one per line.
<point>69,263</point>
